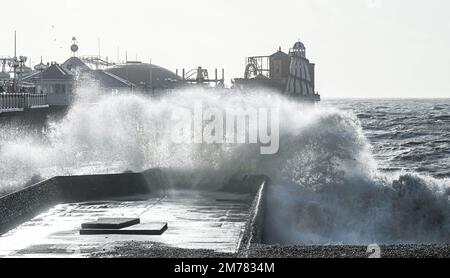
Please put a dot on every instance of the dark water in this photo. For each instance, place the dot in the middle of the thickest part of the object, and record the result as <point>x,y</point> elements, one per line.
<point>406,134</point>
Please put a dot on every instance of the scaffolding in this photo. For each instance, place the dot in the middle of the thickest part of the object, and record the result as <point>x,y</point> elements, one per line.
<point>97,62</point>
<point>257,66</point>
<point>201,76</point>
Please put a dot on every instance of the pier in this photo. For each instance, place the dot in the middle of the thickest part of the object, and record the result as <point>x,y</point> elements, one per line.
<point>17,102</point>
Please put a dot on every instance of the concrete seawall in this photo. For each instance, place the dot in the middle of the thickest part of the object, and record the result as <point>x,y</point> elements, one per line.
<point>254,230</point>
<point>21,206</point>
<point>75,199</point>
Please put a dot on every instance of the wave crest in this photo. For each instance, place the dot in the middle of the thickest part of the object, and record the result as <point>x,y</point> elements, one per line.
<point>327,189</point>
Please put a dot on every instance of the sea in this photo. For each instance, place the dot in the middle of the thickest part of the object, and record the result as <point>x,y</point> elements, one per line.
<point>405,134</point>
<point>348,171</point>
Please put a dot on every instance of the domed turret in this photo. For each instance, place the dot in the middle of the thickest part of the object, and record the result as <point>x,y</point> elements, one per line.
<point>41,66</point>
<point>298,50</point>
<point>299,45</point>
<point>301,74</point>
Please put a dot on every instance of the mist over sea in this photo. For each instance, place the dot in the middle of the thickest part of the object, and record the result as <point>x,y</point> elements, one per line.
<point>347,172</point>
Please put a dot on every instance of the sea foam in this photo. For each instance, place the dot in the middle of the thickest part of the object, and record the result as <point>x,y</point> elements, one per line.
<point>326,187</point>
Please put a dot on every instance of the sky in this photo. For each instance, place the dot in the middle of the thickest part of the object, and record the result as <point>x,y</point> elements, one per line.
<point>362,48</point>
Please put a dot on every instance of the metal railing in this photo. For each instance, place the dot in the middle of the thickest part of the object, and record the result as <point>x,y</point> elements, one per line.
<point>22,101</point>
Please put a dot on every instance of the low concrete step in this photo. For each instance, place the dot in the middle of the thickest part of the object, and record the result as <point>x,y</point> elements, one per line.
<point>140,229</point>
<point>111,223</point>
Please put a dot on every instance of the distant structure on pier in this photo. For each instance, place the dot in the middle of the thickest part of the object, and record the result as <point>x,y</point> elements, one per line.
<point>147,78</point>
<point>59,81</point>
<point>54,84</point>
<point>53,80</point>
<point>17,95</point>
<point>290,74</point>
<point>200,77</point>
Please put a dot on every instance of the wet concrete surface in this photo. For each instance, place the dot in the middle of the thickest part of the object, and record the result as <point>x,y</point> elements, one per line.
<point>197,220</point>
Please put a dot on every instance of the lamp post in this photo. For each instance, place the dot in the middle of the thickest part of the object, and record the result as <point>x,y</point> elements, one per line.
<point>22,61</point>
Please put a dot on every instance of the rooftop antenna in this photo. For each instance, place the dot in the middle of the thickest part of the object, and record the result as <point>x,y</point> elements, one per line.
<point>98,47</point>
<point>15,43</point>
<point>15,61</point>
<point>41,69</point>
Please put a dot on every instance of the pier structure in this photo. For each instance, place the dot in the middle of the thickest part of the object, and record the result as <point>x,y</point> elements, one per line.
<point>89,61</point>
<point>200,76</point>
<point>301,78</point>
<point>55,84</point>
<point>289,74</point>
<point>51,84</point>
<point>15,93</point>
<point>146,78</point>
<point>21,102</point>
<point>98,62</point>
<point>55,81</point>
<point>265,72</point>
